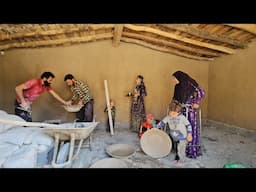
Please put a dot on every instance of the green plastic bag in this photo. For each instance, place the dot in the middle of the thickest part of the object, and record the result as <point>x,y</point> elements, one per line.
<point>234,165</point>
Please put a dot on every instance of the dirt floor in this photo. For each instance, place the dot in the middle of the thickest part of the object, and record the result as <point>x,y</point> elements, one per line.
<point>221,144</point>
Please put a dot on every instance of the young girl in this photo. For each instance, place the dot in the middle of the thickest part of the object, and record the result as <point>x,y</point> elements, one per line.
<point>138,113</point>
<point>113,114</point>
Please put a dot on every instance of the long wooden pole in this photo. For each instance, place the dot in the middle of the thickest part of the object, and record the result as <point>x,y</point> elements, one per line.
<point>180,38</point>
<point>246,27</point>
<point>56,41</point>
<point>108,107</point>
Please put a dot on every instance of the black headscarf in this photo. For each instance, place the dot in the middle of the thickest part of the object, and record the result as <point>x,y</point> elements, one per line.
<point>185,88</point>
<point>141,87</point>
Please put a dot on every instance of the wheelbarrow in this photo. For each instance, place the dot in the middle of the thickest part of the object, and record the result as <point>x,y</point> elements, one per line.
<point>68,132</point>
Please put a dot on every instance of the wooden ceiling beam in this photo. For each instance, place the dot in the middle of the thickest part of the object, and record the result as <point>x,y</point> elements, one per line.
<point>162,49</point>
<point>246,27</point>
<point>172,44</point>
<point>38,32</point>
<point>117,34</point>
<point>180,38</point>
<point>204,34</point>
<point>55,41</point>
<point>101,26</point>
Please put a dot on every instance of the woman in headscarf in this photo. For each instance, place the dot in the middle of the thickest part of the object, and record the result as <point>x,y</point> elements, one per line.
<point>188,93</point>
<point>138,113</point>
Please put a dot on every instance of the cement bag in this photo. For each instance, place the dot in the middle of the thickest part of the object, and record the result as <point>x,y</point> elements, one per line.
<point>39,138</point>
<point>25,157</point>
<point>2,161</point>
<point>15,135</point>
<point>42,148</point>
<point>5,127</point>
<point>43,153</point>
<point>63,153</point>
<point>2,113</point>
<point>29,138</point>
<point>6,150</point>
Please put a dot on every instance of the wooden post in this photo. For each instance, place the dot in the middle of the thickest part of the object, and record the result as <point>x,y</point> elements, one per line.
<point>108,107</point>
<point>117,35</point>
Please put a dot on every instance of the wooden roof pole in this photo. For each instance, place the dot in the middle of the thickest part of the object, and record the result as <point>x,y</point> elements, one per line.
<point>117,34</point>
<point>180,38</point>
<point>56,31</point>
<point>205,34</point>
<point>246,27</point>
<point>163,49</point>
<point>158,41</point>
<point>56,41</point>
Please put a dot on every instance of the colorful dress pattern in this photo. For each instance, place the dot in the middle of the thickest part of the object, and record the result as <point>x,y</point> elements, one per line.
<point>193,149</point>
<point>138,113</point>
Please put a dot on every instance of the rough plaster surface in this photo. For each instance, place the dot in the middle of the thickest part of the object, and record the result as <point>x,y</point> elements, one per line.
<point>93,63</point>
<point>221,144</point>
<point>232,90</point>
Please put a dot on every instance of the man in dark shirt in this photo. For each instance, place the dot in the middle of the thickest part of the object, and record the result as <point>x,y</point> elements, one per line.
<point>81,94</point>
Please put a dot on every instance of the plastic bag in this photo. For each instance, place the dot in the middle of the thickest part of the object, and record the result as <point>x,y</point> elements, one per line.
<point>234,165</point>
